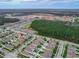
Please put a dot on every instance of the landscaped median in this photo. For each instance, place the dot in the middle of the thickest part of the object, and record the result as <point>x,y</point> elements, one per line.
<point>54,51</point>
<point>64,55</point>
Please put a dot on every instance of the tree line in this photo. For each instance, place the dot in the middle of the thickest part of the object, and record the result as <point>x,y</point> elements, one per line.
<point>7,20</point>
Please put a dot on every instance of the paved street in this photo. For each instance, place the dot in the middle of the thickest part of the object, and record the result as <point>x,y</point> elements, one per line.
<point>60,50</point>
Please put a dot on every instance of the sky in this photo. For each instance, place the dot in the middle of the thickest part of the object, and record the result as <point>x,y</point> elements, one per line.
<point>39,4</point>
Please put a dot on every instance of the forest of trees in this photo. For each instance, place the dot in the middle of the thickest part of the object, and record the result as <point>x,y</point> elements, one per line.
<point>7,20</point>
<point>56,29</point>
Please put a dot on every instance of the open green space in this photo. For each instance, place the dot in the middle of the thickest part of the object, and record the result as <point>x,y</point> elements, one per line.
<point>26,26</point>
<point>56,29</point>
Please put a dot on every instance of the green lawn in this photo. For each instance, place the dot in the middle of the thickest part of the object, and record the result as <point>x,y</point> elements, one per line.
<point>26,26</point>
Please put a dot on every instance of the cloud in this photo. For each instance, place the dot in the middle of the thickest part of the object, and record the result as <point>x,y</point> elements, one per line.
<point>5,0</point>
<point>63,1</point>
<point>23,0</point>
<point>15,0</point>
<point>53,1</point>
